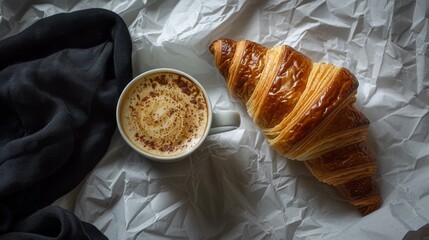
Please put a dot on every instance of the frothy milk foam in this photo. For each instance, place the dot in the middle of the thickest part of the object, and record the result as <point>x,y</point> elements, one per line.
<point>166,114</point>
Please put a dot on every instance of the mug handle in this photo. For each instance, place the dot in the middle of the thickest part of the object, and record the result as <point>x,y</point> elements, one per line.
<point>224,121</point>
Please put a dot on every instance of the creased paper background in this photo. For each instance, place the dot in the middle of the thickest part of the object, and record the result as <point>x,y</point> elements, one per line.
<point>235,186</point>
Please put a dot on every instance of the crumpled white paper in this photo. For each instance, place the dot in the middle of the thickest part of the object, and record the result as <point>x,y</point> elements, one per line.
<point>235,186</point>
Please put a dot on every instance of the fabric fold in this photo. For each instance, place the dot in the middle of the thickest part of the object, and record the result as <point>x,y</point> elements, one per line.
<point>59,83</point>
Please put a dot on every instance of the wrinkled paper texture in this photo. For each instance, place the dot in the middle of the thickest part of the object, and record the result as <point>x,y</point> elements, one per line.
<point>235,186</point>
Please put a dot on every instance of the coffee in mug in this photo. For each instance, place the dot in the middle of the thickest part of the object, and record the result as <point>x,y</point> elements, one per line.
<point>165,114</point>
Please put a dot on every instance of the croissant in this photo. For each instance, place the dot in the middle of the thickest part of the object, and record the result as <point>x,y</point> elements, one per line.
<point>306,112</point>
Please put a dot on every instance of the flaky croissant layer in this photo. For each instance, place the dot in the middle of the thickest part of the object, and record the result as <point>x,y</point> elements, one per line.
<point>306,112</point>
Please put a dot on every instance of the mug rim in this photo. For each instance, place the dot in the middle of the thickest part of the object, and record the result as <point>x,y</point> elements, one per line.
<point>153,156</point>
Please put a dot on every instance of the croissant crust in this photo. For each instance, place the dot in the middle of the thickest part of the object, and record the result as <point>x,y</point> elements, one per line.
<point>306,112</point>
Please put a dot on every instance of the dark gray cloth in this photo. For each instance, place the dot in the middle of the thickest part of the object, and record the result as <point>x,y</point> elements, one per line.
<point>59,83</point>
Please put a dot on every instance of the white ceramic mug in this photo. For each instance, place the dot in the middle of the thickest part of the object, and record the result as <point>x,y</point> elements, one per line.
<point>215,122</point>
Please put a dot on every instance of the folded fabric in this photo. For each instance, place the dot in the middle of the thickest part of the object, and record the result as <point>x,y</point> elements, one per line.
<point>59,83</point>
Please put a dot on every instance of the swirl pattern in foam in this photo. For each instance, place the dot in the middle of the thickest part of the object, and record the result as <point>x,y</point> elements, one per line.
<point>165,114</point>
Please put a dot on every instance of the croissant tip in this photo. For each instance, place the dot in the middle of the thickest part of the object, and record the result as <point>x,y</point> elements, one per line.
<point>365,210</point>
<point>212,47</point>
<point>369,208</point>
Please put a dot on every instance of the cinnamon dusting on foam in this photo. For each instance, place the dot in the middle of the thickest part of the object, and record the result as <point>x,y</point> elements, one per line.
<point>165,114</point>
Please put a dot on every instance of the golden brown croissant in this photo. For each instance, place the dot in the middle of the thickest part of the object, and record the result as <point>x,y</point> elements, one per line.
<point>306,112</point>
